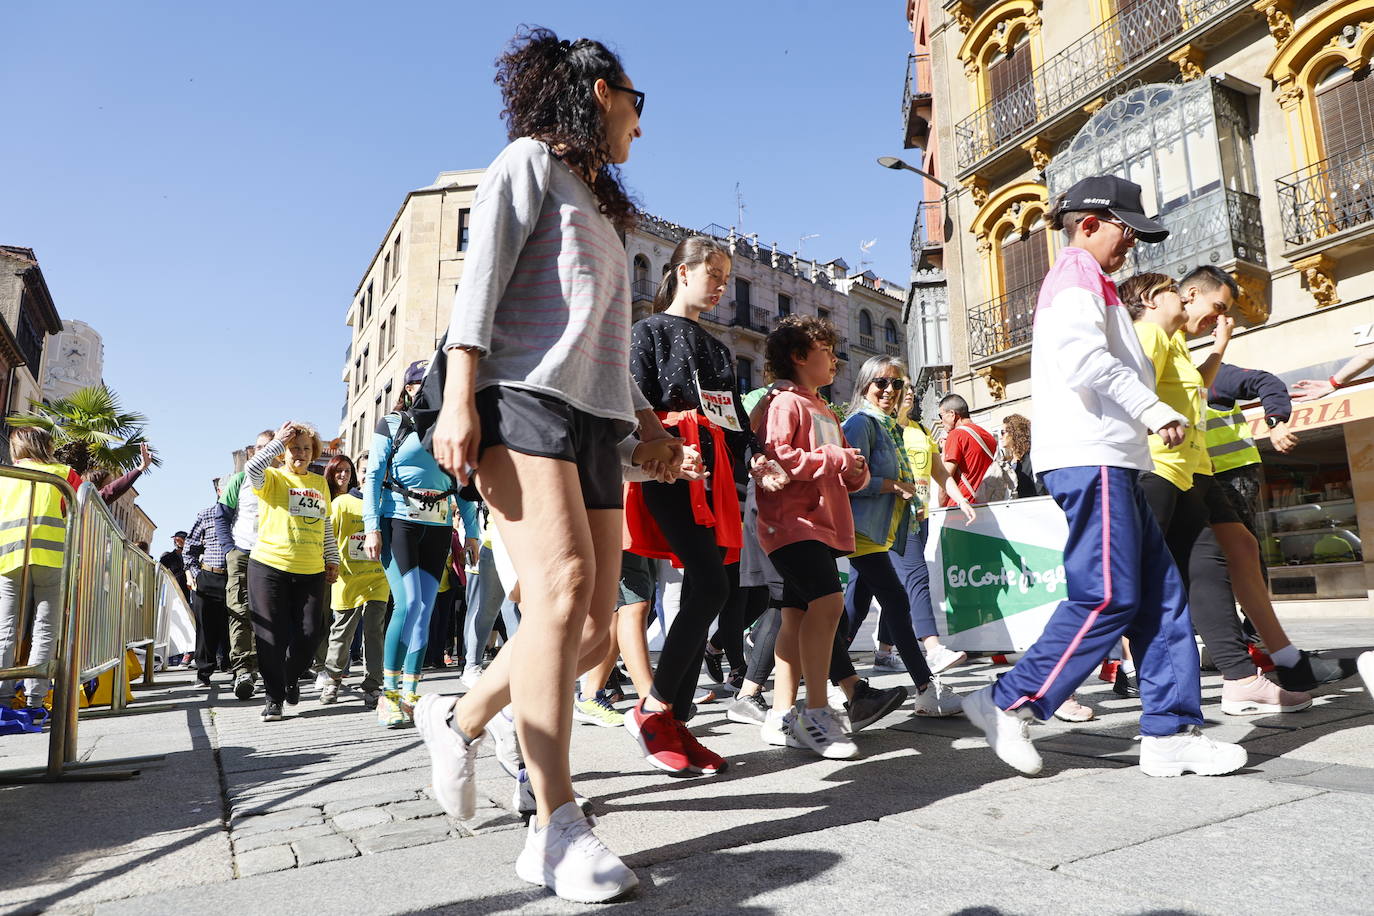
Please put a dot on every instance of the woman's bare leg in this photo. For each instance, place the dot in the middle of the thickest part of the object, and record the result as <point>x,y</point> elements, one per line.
<point>816,640</point>
<point>634,645</point>
<point>1247,581</point>
<point>787,672</point>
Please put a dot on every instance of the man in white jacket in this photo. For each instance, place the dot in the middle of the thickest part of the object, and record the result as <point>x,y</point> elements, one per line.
<point>1095,404</point>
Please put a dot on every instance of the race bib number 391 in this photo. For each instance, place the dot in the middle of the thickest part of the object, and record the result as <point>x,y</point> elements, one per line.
<point>305,502</point>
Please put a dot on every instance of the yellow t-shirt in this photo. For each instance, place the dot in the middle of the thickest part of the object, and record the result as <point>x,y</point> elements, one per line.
<point>863,546</point>
<point>292,509</point>
<point>920,452</point>
<point>360,580</point>
<point>1178,384</point>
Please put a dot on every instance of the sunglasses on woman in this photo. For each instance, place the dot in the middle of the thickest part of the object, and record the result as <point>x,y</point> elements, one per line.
<point>639,96</point>
<point>882,383</point>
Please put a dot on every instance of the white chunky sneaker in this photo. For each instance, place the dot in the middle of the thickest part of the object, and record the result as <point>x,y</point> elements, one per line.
<point>567,858</point>
<point>937,700</point>
<point>1365,665</point>
<point>942,658</point>
<point>470,676</point>
<point>329,693</point>
<point>821,731</point>
<point>1008,733</point>
<point>506,744</point>
<point>323,680</point>
<point>452,760</point>
<point>777,728</point>
<point>1190,751</point>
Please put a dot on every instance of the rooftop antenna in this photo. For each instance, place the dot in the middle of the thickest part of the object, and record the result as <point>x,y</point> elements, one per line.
<point>863,250</point>
<point>739,206</point>
<point>801,242</point>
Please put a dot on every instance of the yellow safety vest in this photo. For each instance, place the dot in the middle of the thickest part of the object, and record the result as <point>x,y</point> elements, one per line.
<point>1228,439</point>
<point>49,525</point>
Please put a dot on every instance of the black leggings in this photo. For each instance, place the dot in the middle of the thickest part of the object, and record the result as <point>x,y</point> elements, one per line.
<point>746,606</point>
<point>764,656</point>
<point>1183,516</point>
<point>708,585</point>
<point>288,615</point>
<point>876,572</point>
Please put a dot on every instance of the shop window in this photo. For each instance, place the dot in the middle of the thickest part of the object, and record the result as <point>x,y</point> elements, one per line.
<point>1309,530</point>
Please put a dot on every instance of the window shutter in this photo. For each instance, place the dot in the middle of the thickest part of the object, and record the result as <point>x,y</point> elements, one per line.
<point>1345,105</point>
<point>1025,261</point>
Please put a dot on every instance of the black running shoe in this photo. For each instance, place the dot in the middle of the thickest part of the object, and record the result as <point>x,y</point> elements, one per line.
<point>243,686</point>
<point>870,704</point>
<point>271,712</point>
<point>203,679</point>
<point>1309,673</point>
<point>714,666</point>
<point>293,693</point>
<point>1124,686</point>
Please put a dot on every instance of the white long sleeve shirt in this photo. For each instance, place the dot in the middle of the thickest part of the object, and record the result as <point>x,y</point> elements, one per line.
<point>1091,385</point>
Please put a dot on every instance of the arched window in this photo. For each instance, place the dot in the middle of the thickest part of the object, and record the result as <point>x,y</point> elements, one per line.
<point>865,324</point>
<point>641,269</point>
<point>890,332</point>
<point>1011,95</point>
<point>1345,109</point>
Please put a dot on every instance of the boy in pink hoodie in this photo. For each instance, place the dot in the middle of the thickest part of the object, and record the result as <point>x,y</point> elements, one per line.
<point>805,526</point>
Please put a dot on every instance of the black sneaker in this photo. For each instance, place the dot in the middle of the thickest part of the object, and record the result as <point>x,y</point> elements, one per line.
<point>736,681</point>
<point>272,712</point>
<point>1124,687</point>
<point>714,666</point>
<point>243,686</point>
<point>870,704</point>
<point>1309,673</point>
<point>749,710</point>
<point>203,679</point>
<point>293,693</point>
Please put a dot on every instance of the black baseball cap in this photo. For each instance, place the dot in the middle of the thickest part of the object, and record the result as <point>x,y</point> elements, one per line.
<point>180,534</point>
<point>416,371</point>
<point>1120,198</point>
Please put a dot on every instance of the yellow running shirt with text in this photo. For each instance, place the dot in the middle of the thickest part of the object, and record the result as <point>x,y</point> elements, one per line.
<point>292,510</point>
<point>1178,384</point>
<point>360,580</point>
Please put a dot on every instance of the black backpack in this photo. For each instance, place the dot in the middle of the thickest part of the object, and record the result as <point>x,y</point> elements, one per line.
<point>419,418</point>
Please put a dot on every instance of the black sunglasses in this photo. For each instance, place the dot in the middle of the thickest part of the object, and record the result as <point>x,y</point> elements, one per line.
<point>639,96</point>
<point>882,383</point>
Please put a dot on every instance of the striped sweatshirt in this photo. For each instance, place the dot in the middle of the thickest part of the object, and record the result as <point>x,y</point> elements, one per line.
<point>545,294</point>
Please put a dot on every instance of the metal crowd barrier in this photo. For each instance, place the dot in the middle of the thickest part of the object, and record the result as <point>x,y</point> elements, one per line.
<point>114,599</point>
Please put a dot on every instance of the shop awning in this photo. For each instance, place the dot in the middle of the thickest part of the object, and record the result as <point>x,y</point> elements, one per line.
<point>1354,403</point>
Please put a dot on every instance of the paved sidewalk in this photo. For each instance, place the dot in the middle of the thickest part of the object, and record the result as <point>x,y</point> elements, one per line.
<point>327,813</point>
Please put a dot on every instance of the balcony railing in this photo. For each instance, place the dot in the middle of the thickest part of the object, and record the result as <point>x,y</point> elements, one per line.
<point>928,231</point>
<point>916,100</point>
<point>1217,227</point>
<point>30,340</point>
<point>1327,197</point>
<point>892,348</point>
<point>643,289</point>
<point>720,316</point>
<point>1069,78</point>
<point>1003,323</point>
<point>866,343</point>
<point>842,347</point>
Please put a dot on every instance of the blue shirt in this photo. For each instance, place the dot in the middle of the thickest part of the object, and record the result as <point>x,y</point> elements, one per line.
<point>413,467</point>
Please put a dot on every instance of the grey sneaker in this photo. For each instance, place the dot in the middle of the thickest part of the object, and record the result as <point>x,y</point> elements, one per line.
<point>748,710</point>
<point>507,744</point>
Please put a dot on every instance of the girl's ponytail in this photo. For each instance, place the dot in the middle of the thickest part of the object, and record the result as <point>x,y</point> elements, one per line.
<point>667,289</point>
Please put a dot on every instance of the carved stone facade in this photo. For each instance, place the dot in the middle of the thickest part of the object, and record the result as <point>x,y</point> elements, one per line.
<point>1318,275</point>
<point>76,359</point>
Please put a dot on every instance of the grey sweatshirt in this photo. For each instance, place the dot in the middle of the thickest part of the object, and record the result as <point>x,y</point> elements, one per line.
<point>545,293</point>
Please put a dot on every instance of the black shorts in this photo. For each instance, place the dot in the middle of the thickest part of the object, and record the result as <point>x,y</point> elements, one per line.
<point>638,579</point>
<point>537,424</point>
<point>808,572</point>
<point>1220,509</point>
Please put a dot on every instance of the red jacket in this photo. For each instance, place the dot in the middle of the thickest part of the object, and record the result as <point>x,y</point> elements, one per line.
<point>803,435</point>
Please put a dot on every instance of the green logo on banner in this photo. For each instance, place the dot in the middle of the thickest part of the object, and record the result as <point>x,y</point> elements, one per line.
<point>990,578</point>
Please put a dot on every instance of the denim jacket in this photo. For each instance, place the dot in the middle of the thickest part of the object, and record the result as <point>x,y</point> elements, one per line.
<point>872,508</point>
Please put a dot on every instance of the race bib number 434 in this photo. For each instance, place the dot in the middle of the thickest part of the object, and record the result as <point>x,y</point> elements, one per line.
<point>306,502</point>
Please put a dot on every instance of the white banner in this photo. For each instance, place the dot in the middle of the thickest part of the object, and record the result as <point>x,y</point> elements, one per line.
<point>994,583</point>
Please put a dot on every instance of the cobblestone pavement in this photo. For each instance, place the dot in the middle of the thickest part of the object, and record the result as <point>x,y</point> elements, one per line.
<point>328,812</point>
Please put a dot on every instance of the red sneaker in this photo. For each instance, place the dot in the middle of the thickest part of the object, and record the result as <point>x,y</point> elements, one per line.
<point>705,762</point>
<point>1261,658</point>
<point>1108,672</point>
<point>658,738</point>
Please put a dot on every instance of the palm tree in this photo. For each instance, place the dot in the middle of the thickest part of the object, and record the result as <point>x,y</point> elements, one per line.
<point>89,429</point>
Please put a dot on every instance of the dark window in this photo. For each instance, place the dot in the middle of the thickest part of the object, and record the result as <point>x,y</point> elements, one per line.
<point>890,332</point>
<point>464,217</point>
<point>823,314</point>
<point>744,374</point>
<point>1011,93</point>
<point>391,335</point>
<point>784,305</point>
<point>865,324</point>
<point>30,338</point>
<point>395,257</point>
<point>742,292</point>
<point>367,304</point>
<point>386,272</point>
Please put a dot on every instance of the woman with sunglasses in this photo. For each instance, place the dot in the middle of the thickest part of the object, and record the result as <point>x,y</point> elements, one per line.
<point>883,521</point>
<point>537,399</point>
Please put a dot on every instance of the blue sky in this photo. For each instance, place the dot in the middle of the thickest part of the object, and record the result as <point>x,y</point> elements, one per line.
<point>205,183</point>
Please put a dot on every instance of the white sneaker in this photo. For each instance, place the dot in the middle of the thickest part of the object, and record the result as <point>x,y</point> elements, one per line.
<point>505,743</point>
<point>452,760</point>
<point>1008,733</point>
<point>942,658</point>
<point>1190,751</point>
<point>937,700</point>
<point>1365,665</point>
<point>471,674</point>
<point>568,859</point>
<point>329,693</point>
<point>777,729</point>
<point>323,680</point>
<point>820,730</point>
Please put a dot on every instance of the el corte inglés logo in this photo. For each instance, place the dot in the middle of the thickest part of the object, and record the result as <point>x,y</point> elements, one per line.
<point>990,578</point>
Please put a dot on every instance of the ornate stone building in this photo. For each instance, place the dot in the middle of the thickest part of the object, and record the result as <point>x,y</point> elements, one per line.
<point>76,359</point>
<point>1250,126</point>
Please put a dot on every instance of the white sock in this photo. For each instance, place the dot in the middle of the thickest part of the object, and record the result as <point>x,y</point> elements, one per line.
<point>1128,666</point>
<point>1286,657</point>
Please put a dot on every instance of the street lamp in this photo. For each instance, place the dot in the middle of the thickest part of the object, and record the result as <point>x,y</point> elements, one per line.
<point>892,162</point>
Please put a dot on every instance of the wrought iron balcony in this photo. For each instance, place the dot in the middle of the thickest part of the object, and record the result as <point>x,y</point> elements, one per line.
<point>643,289</point>
<point>29,336</point>
<point>1328,197</point>
<point>842,347</point>
<point>720,316</point>
<point>928,231</point>
<point>1002,324</point>
<point>1070,78</point>
<point>916,101</point>
<point>1215,228</point>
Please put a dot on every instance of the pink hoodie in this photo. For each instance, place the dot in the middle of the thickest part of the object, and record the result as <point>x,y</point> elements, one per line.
<point>803,436</point>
